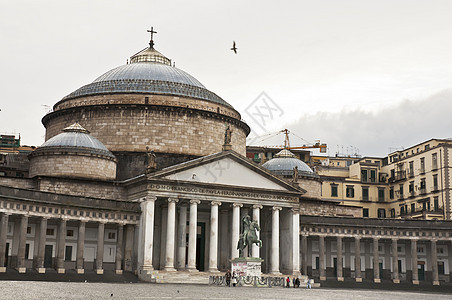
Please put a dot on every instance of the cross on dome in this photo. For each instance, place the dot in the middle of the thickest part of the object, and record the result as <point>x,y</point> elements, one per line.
<point>151,42</point>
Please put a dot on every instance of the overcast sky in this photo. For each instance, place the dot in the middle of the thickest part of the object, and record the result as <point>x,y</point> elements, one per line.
<point>361,76</point>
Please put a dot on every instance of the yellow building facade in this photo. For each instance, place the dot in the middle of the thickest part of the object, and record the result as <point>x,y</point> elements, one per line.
<point>410,184</point>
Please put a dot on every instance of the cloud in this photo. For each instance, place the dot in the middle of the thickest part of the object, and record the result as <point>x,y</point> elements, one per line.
<point>378,133</point>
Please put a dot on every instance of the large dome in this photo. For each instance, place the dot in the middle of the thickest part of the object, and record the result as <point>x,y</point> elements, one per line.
<point>284,163</point>
<point>148,72</point>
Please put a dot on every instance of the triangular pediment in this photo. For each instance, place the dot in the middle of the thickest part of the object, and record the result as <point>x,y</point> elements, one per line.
<point>225,168</point>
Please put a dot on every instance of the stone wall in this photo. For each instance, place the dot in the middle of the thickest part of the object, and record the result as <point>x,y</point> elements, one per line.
<point>85,188</point>
<point>20,183</point>
<point>322,208</point>
<point>167,130</point>
<point>148,99</point>
<point>77,166</point>
<point>313,187</point>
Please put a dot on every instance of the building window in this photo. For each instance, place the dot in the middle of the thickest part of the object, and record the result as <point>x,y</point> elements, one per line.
<point>422,165</point>
<point>364,175</point>
<point>393,213</point>
<point>420,249</point>
<point>411,188</point>
<point>401,191</point>
<point>111,236</point>
<point>365,212</point>
<point>50,231</point>
<point>426,205</point>
<point>68,253</point>
<point>381,213</point>
<point>365,193</point>
<point>28,230</point>
<point>381,194</point>
<point>317,263</point>
<point>434,161</point>
<point>391,192</point>
<point>70,232</point>
<point>440,268</point>
<point>373,175</point>
<point>435,203</point>
<point>435,182</point>
<point>413,208</point>
<point>334,190</point>
<point>350,191</point>
<point>411,169</point>
<point>402,210</point>
<point>422,187</point>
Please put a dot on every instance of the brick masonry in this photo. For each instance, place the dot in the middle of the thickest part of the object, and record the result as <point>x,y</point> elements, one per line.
<point>68,165</point>
<point>166,130</point>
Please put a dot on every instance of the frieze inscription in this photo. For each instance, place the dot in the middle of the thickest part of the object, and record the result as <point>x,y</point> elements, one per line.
<point>215,192</point>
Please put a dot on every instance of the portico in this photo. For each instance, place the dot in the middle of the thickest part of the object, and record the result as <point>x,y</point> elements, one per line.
<point>209,194</point>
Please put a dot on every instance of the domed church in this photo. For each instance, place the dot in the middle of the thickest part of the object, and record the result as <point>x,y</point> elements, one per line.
<point>149,102</point>
<point>144,170</point>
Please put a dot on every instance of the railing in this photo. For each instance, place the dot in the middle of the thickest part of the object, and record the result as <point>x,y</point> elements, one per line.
<point>422,211</point>
<point>268,281</point>
<point>423,191</point>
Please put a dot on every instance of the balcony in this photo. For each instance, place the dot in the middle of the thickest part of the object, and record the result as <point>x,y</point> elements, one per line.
<point>411,194</point>
<point>435,189</point>
<point>422,191</point>
<point>411,173</point>
<point>397,177</point>
<point>422,213</point>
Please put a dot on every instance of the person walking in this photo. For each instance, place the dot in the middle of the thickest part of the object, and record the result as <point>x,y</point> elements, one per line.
<point>234,279</point>
<point>228,278</point>
<point>288,282</point>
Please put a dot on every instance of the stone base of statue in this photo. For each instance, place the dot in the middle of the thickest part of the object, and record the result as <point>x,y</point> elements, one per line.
<point>246,266</point>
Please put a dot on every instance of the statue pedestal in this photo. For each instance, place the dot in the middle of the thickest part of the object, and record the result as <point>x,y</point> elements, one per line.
<point>246,266</point>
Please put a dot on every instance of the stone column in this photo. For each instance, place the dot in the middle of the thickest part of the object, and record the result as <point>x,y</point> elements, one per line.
<point>3,234</point>
<point>182,237</point>
<point>146,233</point>
<point>119,244</point>
<point>100,249</point>
<point>358,277</point>
<point>376,261</point>
<point>322,270</point>
<point>295,242</point>
<point>170,234</point>
<point>256,217</point>
<point>304,254</point>
<point>225,240</point>
<point>235,229</point>
<point>128,252</point>
<point>61,246</point>
<point>80,262</point>
<point>22,241</point>
<point>339,264</point>
<point>213,247</point>
<point>434,263</point>
<point>275,240</point>
<point>192,234</point>
<point>41,246</point>
<point>414,262</point>
<point>395,262</point>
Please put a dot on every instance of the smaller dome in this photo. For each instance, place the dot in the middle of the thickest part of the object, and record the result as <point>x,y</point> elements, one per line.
<point>284,162</point>
<point>75,136</point>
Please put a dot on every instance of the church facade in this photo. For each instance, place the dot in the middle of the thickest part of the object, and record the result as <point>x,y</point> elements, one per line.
<point>144,170</point>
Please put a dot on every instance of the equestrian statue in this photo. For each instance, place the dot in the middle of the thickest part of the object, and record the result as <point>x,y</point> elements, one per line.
<point>249,236</point>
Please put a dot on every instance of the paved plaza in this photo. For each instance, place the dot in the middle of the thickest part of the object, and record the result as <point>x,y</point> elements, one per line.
<point>76,290</point>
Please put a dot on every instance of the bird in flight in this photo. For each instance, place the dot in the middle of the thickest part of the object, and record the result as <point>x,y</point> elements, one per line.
<point>234,48</point>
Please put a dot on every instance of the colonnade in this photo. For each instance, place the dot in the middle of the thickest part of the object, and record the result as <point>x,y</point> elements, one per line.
<point>123,255</point>
<point>377,252</point>
<point>188,262</point>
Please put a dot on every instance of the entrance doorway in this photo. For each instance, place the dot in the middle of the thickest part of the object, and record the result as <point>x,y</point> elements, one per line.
<point>48,256</point>
<point>6,255</point>
<point>380,271</point>
<point>421,270</point>
<point>335,266</point>
<point>200,246</point>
